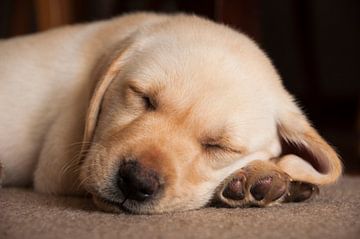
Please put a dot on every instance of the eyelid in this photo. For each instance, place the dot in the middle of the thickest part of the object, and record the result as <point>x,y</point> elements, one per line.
<point>148,99</point>
<point>136,90</point>
<point>141,92</point>
<point>213,144</point>
<point>220,146</point>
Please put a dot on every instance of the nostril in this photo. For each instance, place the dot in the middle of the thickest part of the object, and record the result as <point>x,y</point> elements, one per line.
<point>142,194</point>
<point>147,191</point>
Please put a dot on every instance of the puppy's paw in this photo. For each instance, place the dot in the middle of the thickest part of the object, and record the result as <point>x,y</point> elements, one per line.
<point>262,183</point>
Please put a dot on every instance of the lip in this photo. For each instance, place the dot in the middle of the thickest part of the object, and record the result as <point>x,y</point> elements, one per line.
<point>118,204</point>
<point>110,205</point>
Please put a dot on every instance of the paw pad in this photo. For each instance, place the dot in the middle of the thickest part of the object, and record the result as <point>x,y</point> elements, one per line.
<point>261,188</point>
<point>235,188</point>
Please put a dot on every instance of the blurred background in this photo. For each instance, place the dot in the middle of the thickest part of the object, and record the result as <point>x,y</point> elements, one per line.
<point>315,45</point>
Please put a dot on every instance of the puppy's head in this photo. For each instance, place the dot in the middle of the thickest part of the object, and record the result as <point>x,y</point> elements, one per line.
<point>182,105</point>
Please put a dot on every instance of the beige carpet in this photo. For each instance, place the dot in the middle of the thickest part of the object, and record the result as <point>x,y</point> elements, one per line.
<point>333,214</point>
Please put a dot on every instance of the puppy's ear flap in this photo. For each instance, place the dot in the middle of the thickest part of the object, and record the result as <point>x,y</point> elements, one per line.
<point>306,156</point>
<point>104,75</point>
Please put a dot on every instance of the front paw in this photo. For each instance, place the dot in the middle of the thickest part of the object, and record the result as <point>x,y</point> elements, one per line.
<point>258,184</point>
<point>262,183</point>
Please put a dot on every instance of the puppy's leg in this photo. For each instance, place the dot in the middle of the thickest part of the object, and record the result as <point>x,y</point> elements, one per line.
<point>262,183</point>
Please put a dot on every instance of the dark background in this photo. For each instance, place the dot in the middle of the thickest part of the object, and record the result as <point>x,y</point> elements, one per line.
<point>313,43</point>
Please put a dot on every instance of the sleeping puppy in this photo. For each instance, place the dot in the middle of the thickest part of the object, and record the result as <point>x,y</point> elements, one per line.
<point>154,113</point>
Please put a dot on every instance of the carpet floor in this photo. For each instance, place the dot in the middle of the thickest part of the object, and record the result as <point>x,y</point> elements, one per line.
<point>335,213</point>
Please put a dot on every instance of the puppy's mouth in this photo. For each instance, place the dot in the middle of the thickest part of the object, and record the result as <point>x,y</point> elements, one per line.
<point>126,205</point>
<point>110,205</point>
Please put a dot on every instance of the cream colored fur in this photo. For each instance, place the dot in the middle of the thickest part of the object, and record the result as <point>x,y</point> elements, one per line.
<point>68,115</point>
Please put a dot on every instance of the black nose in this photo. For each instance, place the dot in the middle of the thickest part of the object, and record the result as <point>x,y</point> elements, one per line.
<point>137,182</point>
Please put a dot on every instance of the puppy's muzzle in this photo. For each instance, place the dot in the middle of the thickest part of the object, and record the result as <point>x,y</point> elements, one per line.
<point>137,182</point>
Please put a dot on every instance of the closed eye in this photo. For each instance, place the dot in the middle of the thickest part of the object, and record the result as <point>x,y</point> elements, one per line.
<point>149,103</point>
<point>215,147</point>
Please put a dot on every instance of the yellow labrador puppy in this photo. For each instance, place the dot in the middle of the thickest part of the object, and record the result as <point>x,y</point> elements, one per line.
<point>154,113</point>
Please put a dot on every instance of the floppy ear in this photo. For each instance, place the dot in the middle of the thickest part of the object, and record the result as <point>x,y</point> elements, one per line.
<point>306,156</point>
<point>108,70</point>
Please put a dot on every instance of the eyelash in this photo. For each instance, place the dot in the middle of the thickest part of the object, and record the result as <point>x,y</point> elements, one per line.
<point>148,102</point>
<point>218,148</point>
<point>209,146</point>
